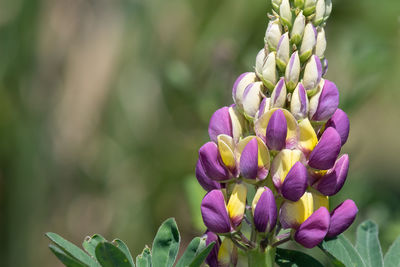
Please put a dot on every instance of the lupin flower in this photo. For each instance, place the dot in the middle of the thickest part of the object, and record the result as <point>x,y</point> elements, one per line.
<point>282,136</point>
<point>309,217</point>
<point>292,73</point>
<point>253,157</point>
<point>264,210</point>
<point>283,52</point>
<point>308,42</point>
<point>212,258</point>
<point>325,102</point>
<point>220,217</point>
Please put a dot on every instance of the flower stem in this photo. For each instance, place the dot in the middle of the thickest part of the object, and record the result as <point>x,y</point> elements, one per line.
<point>259,258</point>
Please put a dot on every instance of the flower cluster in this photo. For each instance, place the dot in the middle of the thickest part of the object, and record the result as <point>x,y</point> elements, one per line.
<point>283,136</point>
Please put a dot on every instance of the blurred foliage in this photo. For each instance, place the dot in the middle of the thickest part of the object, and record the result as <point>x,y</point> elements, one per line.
<point>103,105</point>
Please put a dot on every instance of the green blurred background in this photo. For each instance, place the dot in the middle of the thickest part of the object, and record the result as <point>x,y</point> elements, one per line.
<point>104,104</point>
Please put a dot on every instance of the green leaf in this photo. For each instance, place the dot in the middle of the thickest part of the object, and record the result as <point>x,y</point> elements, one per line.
<point>341,249</point>
<point>166,244</point>
<point>122,246</point>
<point>201,257</point>
<point>90,243</point>
<point>392,257</point>
<point>196,245</point>
<point>144,259</point>
<point>293,258</point>
<point>109,255</point>
<point>71,249</point>
<point>368,245</point>
<point>65,258</point>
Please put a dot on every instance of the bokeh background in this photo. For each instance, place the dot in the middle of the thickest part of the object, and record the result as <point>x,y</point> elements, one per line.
<point>104,104</point>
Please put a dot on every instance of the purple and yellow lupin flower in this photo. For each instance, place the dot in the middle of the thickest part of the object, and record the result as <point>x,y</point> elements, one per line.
<point>283,135</point>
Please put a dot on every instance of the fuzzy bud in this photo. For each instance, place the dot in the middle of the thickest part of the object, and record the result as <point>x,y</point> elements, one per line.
<point>240,86</point>
<point>252,98</point>
<point>312,73</point>
<point>299,103</point>
<point>319,12</point>
<point>266,69</point>
<point>308,42</point>
<point>283,52</point>
<point>328,9</point>
<point>299,3</point>
<point>292,72</point>
<point>273,34</point>
<point>276,4</point>
<point>278,96</point>
<point>298,28</point>
<point>320,46</point>
<point>285,13</point>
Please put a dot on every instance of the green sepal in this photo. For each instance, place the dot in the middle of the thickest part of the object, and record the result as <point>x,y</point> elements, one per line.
<point>109,255</point>
<point>166,244</point>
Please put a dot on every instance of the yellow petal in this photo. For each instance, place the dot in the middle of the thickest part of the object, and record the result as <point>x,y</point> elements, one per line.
<point>283,162</point>
<point>237,204</point>
<point>226,148</point>
<point>307,138</point>
<point>263,154</point>
<point>225,252</point>
<point>257,196</point>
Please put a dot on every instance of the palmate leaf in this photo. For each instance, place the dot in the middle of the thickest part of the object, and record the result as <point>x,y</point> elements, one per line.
<point>166,244</point>
<point>65,258</point>
<point>392,257</point>
<point>90,243</point>
<point>293,258</point>
<point>144,259</point>
<point>343,251</point>
<point>124,248</point>
<point>196,245</point>
<point>109,255</point>
<point>72,250</point>
<point>368,245</point>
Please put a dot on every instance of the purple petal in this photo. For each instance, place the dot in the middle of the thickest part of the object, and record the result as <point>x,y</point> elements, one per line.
<point>333,181</point>
<point>278,89</point>
<point>212,258</point>
<point>319,67</point>
<point>325,70</point>
<point>303,99</point>
<point>324,155</point>
<point>211,162</point>
<point>220,123</point>
<point>276,131</point>
<point>313,230</point>
<point>249,160</point>
<point>342,217</point>
<point>295,183</point>
<point>214,213</point>
<point>262,107</point>
<point>265,213</point>
<point>204,180</point>
<point>235,85</point>
<point>327,103</point>
<point>341,123</point>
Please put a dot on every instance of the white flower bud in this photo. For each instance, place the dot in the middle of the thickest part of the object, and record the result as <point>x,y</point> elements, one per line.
<point>298,28</point>
<point>285,13</point>
<point>319,12</point>
<point>308,42</point>
<point>283,52</point>
<point>321,43</point>
<point>278,96</point>
<point>309,7</point>
<point>260,60</point>
<point>238,122</point>
<point>312,73</point>
<point>273,34</point>
<point>328,9</point>
<point>252,99</point>
<point>268,71</point>
<point>299,103</point>
<point>299,3</point>
<point>264,107</point>
<point>276,4</point>
<point>240,86</point>
<point>292,72</point>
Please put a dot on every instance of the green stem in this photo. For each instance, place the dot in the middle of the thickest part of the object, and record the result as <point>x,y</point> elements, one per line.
<point>259,258</point>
